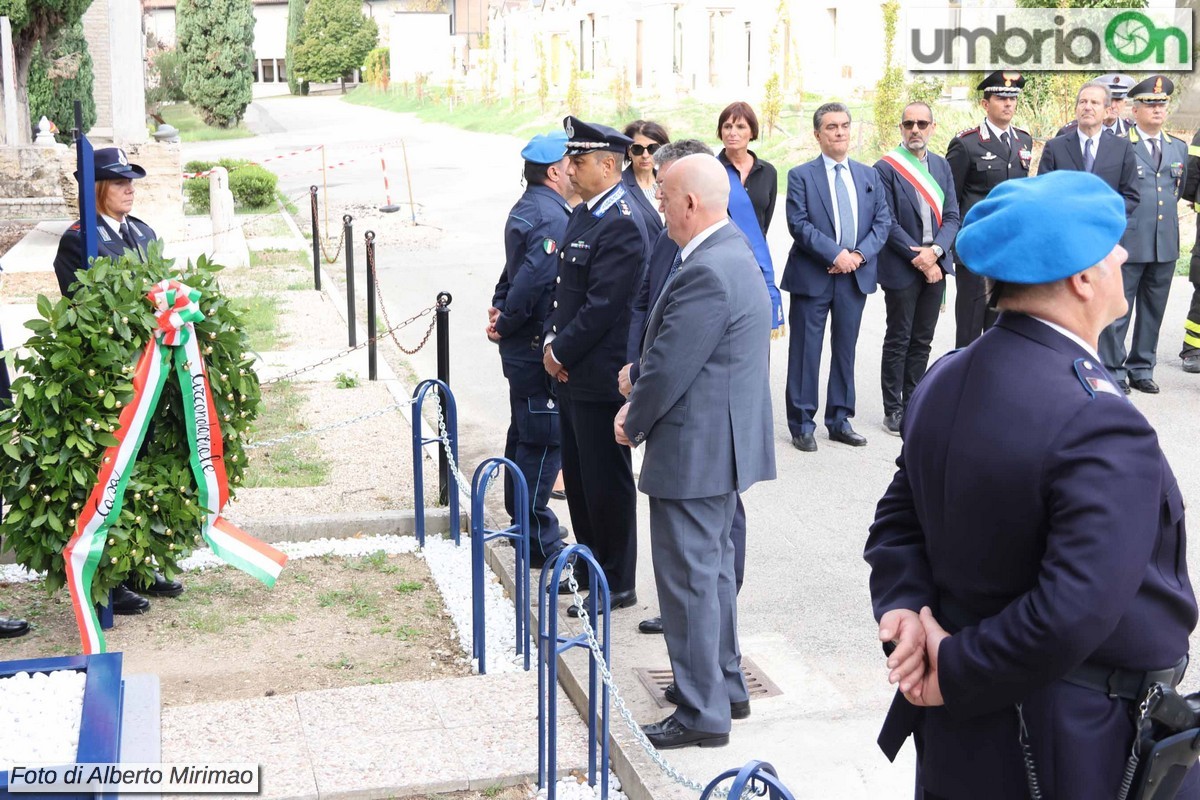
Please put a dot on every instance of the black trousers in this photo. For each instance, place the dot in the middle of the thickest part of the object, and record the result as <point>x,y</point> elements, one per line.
<point>601,496</point>
<point>912,315</point>
<point>971,313</point>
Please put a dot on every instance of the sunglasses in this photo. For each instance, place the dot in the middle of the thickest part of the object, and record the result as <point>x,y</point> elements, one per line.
<point>638,149</point>
<point>909,124</point>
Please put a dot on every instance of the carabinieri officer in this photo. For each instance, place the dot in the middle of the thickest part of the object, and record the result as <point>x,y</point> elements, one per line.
<point>599,269</point>
<point>533,236</point>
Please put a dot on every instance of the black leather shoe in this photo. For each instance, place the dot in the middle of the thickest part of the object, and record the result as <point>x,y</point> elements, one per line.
<point>651,625</point>
<point>616,600</point>
<point>847,436</point>
<point>891,422</point>
<point>12,628</point>
<point>127,603</point>
<point>740,710</point>
<point>563,588</point>
<point>558,494</point>
<point>805,443</point>
<point>1191,364</point>
<point>1146,385</point>
<point>160,588</point>
<point>671,733</point>
<point>538,560</point>
<point>1124,385</point>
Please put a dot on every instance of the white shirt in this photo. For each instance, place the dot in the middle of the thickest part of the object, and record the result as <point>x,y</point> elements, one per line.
<point>112,223</point>
<point>1070,335</point>
<point>699,238</point>
<point>997,131</point>
<point>1083,140</point>
<point>848,179</point>
<point>1146,137</point>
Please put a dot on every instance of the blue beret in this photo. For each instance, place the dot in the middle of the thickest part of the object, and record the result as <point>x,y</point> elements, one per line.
<point>1039,230</point>
<point>546,148</point>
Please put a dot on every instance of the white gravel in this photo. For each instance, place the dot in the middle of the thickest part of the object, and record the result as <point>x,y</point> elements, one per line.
<point>573,789</point>
<point>40,714</point>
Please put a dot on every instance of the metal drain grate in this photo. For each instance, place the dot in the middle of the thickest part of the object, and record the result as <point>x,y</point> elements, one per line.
<point>655,681</point>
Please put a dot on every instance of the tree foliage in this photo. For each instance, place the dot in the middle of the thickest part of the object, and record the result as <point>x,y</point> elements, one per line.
<point>334,39</point>
<point>216,38</point>
<point>295,21</point>
<point>35,21</point>
<point>889,89</point>
<point>59,74</point>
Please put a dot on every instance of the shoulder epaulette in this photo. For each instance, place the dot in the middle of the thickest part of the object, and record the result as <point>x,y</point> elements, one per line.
<point>1094,379</point>
<point>1021,130</point>
<point>965,132</point>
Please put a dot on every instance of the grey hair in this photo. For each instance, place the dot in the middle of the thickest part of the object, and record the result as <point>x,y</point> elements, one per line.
<point>1095,85</point>
<point>828,108</point>
<point>679,149</point>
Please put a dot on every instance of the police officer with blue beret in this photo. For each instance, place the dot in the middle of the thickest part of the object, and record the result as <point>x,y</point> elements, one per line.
<point>599,270</point>
<point>1027,561</point>
<point>533,237</point>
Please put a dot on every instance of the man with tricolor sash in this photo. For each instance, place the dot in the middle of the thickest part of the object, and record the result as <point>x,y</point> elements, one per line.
<point>914,263</point>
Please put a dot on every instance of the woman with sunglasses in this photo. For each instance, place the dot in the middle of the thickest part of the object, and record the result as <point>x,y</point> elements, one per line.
<point>753,185</point>
<point>639,175</point>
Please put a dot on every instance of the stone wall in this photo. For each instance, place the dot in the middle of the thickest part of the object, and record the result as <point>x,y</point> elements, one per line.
<point>95,30</point>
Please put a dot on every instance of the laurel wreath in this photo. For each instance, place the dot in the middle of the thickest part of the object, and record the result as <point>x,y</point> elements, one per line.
<point>75,377</point>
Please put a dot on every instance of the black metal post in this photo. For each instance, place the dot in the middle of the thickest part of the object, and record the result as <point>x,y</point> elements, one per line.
<point>442,315</point>
<point>316,236</point>
<point>372,362</point>
<point>348,238</point>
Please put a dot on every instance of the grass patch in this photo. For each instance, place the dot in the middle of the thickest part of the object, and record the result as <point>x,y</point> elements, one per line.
<point>256,223</point>
<point>357,603</point>
<point>192,128</point>
<point>377,561</point>
<point>274,258</point>
<point>408,587</point>
<point>290,464</point>
<point>260,314</point>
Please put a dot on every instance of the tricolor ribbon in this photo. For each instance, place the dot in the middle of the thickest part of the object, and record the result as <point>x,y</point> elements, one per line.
<point>177,311</point>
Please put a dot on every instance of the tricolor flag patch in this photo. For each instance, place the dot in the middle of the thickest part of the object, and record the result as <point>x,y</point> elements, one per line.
<point>1102,385</point>
<point>550,246</point>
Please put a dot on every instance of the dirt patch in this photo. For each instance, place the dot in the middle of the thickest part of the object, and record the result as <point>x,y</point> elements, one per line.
<point>11,233</point>
<point>24,287</point>
<point>328,623</point>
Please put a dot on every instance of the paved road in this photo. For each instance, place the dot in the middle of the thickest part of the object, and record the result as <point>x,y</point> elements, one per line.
<point>804,611</point>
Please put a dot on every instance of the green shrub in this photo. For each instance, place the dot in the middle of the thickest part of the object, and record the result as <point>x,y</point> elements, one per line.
<point>377,70</point>
<point>216,39</point>
<point>60,73</point>
<point>196,192</point>
<point>253,186</point>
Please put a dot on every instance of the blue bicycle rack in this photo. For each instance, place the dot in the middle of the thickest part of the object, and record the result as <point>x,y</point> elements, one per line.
<point>450,413</point>
<point>550,646</point>
<point>519,533</point>
<point>757,777</point>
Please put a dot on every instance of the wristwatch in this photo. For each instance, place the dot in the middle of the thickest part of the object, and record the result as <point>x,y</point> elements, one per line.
<point>937,250</point>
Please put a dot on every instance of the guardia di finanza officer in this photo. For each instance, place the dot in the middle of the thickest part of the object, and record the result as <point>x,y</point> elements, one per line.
<point>1056,559</point>
<point>533,234</point>
<point>599,269</point>
<point>981,158</point>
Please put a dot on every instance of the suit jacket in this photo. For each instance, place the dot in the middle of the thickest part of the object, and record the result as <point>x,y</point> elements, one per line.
<point>1122,126</point>
<point>599,269</point>
<point>643,206</point>
<point>895,260</point>
<point>810,220</point>
<point>1114,163</point>
<point>68,259</point>
<point>702,403</point>
<point>1065,544</point>
<point>979,162</point>
<point>658,266</point>
<point>1153,232</point>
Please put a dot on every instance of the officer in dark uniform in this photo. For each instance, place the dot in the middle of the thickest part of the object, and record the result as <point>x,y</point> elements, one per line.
<point>10,628</point>
<point>1191,326</point>
<point>117,230</point>
<point>600,269</point>
<point>533,236</point>
<point>1114,120</point>
<point>1034,516</point>
<point>981,158</point>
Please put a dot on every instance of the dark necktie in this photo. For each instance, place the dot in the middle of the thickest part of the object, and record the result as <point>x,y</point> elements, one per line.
<point>127,237</point>
<point>1155,153</point>
<point>677,263</point>
<point>845,210</point>
<point>1007,147</point>
<point>1110,132</point>
<point>1089,158</point>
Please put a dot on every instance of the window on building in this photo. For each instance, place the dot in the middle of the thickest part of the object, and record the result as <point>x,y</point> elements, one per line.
<point>281,69</point>
<point>254,70</point>
<point>268,70</point>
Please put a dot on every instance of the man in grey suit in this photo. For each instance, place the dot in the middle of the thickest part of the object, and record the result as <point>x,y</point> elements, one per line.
<point>702,406</point>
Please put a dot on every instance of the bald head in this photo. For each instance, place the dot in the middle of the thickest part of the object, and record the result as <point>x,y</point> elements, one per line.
<point>695,196</point>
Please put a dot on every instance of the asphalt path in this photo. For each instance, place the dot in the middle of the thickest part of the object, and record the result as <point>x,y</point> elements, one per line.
<point>804,612</point>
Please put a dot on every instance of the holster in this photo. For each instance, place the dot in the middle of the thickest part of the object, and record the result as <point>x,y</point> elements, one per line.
<point>1168,744</point>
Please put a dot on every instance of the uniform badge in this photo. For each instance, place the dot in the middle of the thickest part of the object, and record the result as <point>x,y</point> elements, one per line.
<point>988,156</point>
<point>1176,170</point>
<point>549,404</point>
<point>1026,156</point>
<point>103,234</point>
<point>550,246</point>
<point>1102,385</point>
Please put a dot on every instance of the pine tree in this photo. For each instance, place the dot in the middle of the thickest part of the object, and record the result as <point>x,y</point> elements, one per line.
<point>60,76</point>
<point>216,38</point>
<point>295,20</point>
<point>334,39</point>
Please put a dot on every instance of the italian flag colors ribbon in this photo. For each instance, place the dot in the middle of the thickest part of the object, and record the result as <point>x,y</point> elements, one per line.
<point>174,345</point>
<point>917,174</point>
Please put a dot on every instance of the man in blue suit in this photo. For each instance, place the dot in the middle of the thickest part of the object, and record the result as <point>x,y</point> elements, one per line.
<point>839,219</point>
<point>913,267</point>
<point>1034,516</point>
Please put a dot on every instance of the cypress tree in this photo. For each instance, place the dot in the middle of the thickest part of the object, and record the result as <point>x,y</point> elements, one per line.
<point>216,38</point>
<point>58,77</point>
<point>295,20</point>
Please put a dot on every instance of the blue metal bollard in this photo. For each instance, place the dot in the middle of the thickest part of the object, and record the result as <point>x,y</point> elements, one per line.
<point>550,645</point>
<point>451,415</point>
<point>480,535</point>
<point>756,777</point>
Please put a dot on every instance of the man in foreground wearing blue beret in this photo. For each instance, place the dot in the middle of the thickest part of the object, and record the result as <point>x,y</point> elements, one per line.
<point>1027,561</point>
<point>533,235</point>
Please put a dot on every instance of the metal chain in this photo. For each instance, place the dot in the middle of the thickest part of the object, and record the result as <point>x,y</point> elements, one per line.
<point>349,350</point>
<point>388,322</point>
<point>463,484</point>
<point>619,702</point>
<point>338,252</point>
<point>343,424</point>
